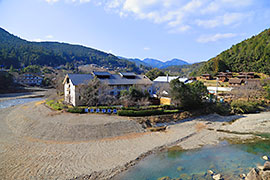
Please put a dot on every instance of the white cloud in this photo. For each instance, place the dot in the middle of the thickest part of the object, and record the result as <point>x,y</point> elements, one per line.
<point>224,20</point>
<point>51,1</point>
<point>49,36</point>
<point>179,15</point>
<point>215,37</point>
<point>182,15</point>
<point>84,1</point>
<point>146,48</point>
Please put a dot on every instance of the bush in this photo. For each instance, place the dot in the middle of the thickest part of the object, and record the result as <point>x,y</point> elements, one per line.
<point>75,110</point>
<point>145,112</point>
<point>220,108</point>
<point>239,106</point>
<point>55,105</point>
<point>153,107</point>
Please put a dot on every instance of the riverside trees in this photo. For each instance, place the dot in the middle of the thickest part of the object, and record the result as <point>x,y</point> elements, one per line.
<point>187,96</point>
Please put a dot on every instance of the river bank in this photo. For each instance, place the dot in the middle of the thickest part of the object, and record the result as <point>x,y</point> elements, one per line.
<point>36,142</point>
<point>33,94</point>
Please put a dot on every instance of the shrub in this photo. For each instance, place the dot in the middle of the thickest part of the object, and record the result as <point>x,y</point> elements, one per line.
<point>145,112</point>
<point>75,110</point>
<point>240,106</point>
<point>220,108</point>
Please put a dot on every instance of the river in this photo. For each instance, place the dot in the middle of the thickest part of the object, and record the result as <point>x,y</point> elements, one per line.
<point>13,102</point>
<point>230,160</point>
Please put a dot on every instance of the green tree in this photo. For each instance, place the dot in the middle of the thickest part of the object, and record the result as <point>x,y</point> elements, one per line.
<point>134,96</point>
<point>11,69</point>
<point>32,69</point>
<point>154,73</point>
<point>187,96</point>
<point>6,81</point>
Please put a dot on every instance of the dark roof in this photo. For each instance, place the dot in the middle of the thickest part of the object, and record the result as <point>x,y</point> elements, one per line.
<point>235,81</point>
<point>100,73</point>
<point>222,75</point>
<point>114,79</point>
<point>206,74</point>
<point>77,79</point>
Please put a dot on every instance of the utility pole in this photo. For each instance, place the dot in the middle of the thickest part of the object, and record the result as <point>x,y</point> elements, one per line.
<point>217,89</point>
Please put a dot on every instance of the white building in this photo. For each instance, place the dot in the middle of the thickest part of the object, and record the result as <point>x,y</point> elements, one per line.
<point>29,79</point>
<point>116,82</point>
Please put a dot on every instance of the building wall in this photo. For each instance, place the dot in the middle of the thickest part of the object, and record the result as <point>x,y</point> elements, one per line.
<point>70,94</point>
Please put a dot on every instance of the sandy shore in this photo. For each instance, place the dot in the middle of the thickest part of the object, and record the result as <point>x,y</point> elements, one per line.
<point>38,143</point>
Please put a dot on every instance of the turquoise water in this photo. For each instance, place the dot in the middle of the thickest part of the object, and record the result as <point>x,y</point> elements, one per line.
<point>228,160</point>
<point>13,102</point>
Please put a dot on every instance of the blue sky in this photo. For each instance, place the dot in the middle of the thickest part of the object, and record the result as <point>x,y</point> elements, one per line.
<point>192,30</point>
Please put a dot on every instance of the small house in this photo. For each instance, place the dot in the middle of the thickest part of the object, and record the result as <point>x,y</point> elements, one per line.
<point>246,75</point>
<point>207,76</point>
<point>222,77</point>
<point>236,82</point>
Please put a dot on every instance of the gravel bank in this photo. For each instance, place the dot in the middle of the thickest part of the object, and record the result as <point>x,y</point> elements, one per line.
<point>37,143</point>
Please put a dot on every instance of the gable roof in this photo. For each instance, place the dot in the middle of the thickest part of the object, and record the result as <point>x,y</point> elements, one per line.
<point>77,79</point>
<point>114,79</point>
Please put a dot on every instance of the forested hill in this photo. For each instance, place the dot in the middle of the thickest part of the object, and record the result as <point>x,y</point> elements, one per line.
<point>18,52</point>
<point>251,55</point>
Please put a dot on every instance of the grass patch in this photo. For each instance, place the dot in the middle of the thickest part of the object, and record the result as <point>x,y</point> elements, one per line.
<point>55,105</point>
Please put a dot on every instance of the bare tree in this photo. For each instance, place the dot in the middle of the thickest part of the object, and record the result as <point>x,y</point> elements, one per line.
<point>162,89</point>
<point>252,90</point>
<point>96,93</point>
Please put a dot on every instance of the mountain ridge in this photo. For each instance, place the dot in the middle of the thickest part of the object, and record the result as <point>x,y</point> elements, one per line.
<point>250,55</point>
<point>155,63</point>
<point>19,53</point>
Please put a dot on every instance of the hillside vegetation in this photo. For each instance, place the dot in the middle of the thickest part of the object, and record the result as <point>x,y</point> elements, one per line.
<point>184,70</point>
<point>252,54</point>
<point>20,53</point>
